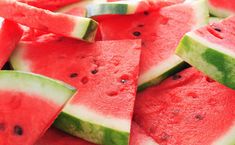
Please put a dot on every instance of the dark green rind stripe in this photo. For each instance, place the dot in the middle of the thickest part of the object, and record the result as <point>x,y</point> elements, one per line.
<point>217,65</point>
<point>90,34</point>
<point>105,9</point>
<point>100,134</point>
<point>158,79</point>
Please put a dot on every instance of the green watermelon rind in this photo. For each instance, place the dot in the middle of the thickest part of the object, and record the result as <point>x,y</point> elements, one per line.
<point>214,60</point>
<point>100,134</point>
<point>219,12</point>
<point>36,84</point>
<point>176,64</point>
<point>119,7</point>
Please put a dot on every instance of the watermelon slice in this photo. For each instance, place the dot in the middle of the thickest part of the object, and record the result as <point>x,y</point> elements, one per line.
<point>119,7</point>
<point>191,110</point>
<point>66,25</point>
<point>160,40</point>
<point>29,104</point>
<point>50,5</point>
<point>10,34</point>
<point>221,8</point>
<point>56,137</point>
<point>106,77</point>
<point>211,50</point>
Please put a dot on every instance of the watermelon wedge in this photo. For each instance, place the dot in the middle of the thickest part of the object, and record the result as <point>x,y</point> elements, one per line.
<point>66,25</point>
<point>160,30</point>
<point>221,8</point>
<point>29,105</point>
<point>106,77</point>
<point>50,5</point>
<point>55,137</point>
<point>10,34</point>
<point>118,7</point>
<point>187,109</point>
<point>211,50</point>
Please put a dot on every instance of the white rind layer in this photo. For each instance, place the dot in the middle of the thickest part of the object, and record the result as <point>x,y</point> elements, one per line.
<point>81,26</point>
<point>36,85</point>
<point>219,12</point>
<point>86,114</point>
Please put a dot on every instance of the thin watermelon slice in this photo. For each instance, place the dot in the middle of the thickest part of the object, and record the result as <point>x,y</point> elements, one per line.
<point>66,25</point>
<point>221,8</point>
<point>55,137</point>
<point>10,34</point>
<point>211,50</point>
<point>106,77</point>
<point>196,111</point>
<point>118,7</point>
<point>161,31</point>
<point>29,105</point>
<point>49,5</point>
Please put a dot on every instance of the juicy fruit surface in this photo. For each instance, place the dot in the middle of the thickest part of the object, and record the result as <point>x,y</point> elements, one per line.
<point>223,4</point>
<point>17,124</point>
<point>160,31</point>
<point>56,137</point>
<point>220,33</point>
<point>187,111</point>
<point>10,34</point>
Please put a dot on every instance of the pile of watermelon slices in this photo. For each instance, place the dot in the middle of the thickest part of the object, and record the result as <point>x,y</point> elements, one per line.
<point>117,72</point>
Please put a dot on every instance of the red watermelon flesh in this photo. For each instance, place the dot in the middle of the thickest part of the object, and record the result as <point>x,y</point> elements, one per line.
<point>28,106</point>
<point>56,137</point>
<point>10,34</point>
<point>104,72</point>
<point>160,30</point>
<point>222,8</point>
<point>192,113</point>
<point>49,5</point>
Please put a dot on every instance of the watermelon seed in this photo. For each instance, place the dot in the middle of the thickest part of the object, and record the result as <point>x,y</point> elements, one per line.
<point>85,80</point>
<point>136,33</point>
<point>217,29</point>
<point>18,130</point>
<point>73,75</point>
<point>146,13</point>
<point>140,25</point>
<point>209,80</point>
<point>123,81</point>
<point>199,117</point>
<point>2,126</point>
<point>112,93</point>
<point>176,77</point>
<point>94,71</point>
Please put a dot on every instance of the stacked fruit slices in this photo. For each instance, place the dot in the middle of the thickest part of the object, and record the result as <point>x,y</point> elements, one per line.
<point>106,50</point>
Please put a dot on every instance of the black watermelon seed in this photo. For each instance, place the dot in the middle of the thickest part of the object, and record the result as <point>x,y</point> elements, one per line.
<point>199,117</point>
<point>217,29</point>
<point>176,77</point>
<point>18,130</point>
<point>123,81</point>
<point>146,13</point>
<point>2,126</point>
<point>136,33</point>
<point>94,71</point>
<point>73,75</point>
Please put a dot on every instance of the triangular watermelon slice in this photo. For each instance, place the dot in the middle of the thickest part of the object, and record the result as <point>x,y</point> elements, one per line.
<point>28,106</point>
<point>161,31</point>
<point>211,50</point>
<point>187,109</point>
<point>62,24</point>
<point>105,74</point>
<point>10,34</point>
<point>55,137</point>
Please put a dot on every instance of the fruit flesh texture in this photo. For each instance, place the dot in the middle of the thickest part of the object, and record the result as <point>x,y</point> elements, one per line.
<point>224,4</point>
<point>17,124</point>
<point>154,28</point>
<point>10,35</point>
<point>184,107</point>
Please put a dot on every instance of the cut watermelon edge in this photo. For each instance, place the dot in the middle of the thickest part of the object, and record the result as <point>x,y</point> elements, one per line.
<point>219,12</point>
<point>36,84</point>
<point>193,46</point>
<point>98,134</point>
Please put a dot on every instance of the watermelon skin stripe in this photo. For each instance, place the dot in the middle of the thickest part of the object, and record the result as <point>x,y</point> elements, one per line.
<point>99,135</point>
<point>36,84</point>
<point>66,25</point>
<point>212,59</point>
